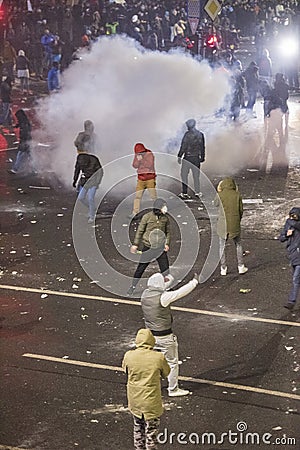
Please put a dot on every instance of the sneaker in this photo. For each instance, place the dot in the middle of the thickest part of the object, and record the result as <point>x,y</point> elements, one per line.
<point>198,194</point>
<point>131,290</point>
<point>289,306</point>
<point>224,270</point>
<point>12,171</point>
<point>242,269</point>
<point>178,393</point>
<point>184,196</point>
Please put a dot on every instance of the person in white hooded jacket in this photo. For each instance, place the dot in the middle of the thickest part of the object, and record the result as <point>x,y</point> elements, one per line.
<point>156,305</point>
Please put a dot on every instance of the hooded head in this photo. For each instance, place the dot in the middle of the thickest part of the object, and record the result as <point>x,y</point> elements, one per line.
<point>21,53</point>
<point>191,123</point>
<point>144,338</point>
<point>294,213</point>
<point>139,148</point>
<point>88,126</point>
<point>156,281</point>
<point>279,77</point>
<point>227,183</point>
<point>21,116</point>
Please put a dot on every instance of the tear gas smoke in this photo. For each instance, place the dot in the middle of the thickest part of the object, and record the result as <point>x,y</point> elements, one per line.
<point>133,95</point>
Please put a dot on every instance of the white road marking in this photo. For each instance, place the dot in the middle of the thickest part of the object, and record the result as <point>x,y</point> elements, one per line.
<point>134,303</point>
<point>7,447</point>
<point>239,387</point>
<point>5,150</point>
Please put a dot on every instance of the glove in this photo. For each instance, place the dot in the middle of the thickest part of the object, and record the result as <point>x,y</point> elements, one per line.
<point>74,184</point>
<point>179,160</point>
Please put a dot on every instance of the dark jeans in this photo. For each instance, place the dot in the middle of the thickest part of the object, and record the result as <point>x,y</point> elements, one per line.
<point>5,114</point>
<point>149,255</point>
<point>192,164</point>
<point>296,285</point>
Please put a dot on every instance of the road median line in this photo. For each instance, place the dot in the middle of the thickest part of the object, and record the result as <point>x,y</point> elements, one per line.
<point>137,303</point>
<point>222,384</point>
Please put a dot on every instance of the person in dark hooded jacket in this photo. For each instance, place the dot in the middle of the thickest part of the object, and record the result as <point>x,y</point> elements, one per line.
<point>24,146</point>
<point>153,234</point>
<point>89,168</point>
<point>282,89</point>
<point>291,235</point>
<point>191,154</point>
<point>5,94</point>
<point>230,204</point>
<point>271,99</point>
<point>252,85</point>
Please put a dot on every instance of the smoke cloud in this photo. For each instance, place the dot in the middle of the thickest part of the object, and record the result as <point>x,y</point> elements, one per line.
<point>133,95</point>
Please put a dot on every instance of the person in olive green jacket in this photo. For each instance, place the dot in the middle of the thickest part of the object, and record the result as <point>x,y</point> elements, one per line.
<point>230,205</point>
<point>145,367</point>
<point>153,234</point>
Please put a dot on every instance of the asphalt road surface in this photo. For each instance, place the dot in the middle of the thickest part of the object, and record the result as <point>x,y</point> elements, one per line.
<point>63,334</point>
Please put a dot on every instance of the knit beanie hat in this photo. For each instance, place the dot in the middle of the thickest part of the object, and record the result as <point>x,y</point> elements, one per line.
<point>159,203</point>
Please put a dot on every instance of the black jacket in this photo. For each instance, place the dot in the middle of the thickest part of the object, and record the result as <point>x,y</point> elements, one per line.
<point>293,241</point>
<point>251,77</point>
<point>25,136</point>
<point>5,92</point>
<point>25,131</point>
<point>272,101</point>
<point>282,90</point>
<point>192,145</point>
<point>88,165</point>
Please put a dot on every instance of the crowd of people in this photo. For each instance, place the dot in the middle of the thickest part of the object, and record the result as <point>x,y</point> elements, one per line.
<point>41,39</point>
<point>52,31</point>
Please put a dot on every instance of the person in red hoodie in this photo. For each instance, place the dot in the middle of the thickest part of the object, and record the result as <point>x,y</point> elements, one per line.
<point>144,163</point>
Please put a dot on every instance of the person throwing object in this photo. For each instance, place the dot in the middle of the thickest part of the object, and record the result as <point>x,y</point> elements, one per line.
<point>156,305</point>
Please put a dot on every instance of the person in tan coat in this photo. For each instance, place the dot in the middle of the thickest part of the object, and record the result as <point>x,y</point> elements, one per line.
<point>229,201</point>
<point>145,367</point>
